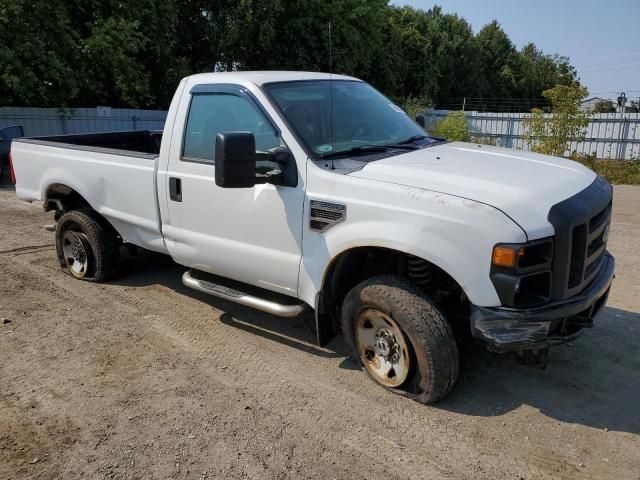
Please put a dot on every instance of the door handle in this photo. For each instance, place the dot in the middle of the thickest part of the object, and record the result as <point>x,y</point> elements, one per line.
<point>175,189</point>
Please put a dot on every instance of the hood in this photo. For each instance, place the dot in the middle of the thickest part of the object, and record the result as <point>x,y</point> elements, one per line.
<point>524,185</point>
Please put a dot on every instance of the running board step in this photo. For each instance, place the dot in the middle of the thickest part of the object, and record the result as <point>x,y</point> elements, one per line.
<point>190,279</point>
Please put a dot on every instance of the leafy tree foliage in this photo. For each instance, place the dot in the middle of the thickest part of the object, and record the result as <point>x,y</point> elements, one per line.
<point>454,128</point>
<point>132,54</point>
<point>604,106</point>
<point>551,134</point>
<point>498,62</point>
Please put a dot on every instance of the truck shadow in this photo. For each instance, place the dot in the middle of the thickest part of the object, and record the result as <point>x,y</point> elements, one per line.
<point>154,269</point>
<point>594,382</point>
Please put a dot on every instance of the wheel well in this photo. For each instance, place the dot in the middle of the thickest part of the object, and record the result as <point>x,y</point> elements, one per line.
<point>358,264</point>
<point>62,198</point>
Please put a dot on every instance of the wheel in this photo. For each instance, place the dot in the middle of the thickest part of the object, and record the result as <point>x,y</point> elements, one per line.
<point>400,338</point>
<point>87,246</point>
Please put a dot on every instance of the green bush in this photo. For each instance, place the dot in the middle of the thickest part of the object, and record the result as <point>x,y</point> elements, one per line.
<point>454,128</point>
<point>551,135</point>
<point>621,172</point>
<point>414,105</point>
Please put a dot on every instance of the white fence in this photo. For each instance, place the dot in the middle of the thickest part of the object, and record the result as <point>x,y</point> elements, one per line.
<point>38,122</point>
<point>608,135</point>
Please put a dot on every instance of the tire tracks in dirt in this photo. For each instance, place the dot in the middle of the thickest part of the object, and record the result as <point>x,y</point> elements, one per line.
<point>306,416</point>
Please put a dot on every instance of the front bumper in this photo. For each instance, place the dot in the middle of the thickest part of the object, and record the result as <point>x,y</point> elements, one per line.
<point>505,329</point>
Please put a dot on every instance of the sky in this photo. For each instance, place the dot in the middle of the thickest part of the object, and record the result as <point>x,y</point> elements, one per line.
<point>600,37</point>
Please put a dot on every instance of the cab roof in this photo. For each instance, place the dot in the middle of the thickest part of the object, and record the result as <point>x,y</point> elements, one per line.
<point>262,77</point>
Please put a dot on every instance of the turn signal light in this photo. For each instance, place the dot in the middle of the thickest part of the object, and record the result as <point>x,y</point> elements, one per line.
<point>506,256</point>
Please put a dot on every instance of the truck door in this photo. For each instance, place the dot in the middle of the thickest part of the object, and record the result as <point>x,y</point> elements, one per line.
<point>253,235</point>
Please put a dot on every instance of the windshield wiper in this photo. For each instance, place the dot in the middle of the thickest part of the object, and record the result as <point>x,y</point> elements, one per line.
<point>356,151</point>
<point>412,139</point>
<point>404,145</point>
<point>410,144</point>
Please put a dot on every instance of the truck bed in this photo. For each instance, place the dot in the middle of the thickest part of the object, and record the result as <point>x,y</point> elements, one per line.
<point>114,172</point>
<point>131,142</point>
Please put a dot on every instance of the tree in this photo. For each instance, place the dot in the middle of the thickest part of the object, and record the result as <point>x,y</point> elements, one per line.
<point>550,134</point>
<point>38,48</point>
<point>604,106</point>
<point>112,72</point>
<point>132,54</point>
<point>538,72</point>
<point>424,51</point>
<point>498,59</point>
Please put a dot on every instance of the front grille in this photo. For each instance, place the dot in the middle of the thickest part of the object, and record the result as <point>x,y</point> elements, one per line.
<point>587,248</point>
<point>576,266</point>
<point>581,224</point>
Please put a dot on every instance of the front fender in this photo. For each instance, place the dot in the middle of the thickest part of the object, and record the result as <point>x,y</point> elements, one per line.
<point>453,233</point>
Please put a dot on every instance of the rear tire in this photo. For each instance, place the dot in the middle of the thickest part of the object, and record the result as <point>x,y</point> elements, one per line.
<point>400,338</point>
<point>87,246</point>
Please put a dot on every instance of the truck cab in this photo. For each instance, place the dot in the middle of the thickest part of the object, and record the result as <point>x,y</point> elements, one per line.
<point>288,191</point>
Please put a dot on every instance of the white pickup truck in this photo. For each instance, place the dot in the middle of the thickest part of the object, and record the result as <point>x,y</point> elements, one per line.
<point>287,190</point>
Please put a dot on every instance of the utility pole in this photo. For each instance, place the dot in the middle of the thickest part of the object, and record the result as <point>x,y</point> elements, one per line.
<point>622,101</point>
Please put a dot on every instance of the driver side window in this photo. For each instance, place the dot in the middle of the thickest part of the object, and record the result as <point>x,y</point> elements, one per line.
<point>212,113</point>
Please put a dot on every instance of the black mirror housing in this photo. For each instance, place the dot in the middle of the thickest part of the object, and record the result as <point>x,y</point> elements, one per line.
<point>235,160</point>
<point>421,120</point>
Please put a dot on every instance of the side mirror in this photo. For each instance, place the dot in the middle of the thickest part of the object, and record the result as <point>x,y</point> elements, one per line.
<point>235,163</point>
<point>289,173</point>
<point>421,120</point>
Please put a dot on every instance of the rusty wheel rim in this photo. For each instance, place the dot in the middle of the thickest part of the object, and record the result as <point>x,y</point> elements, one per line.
<point>383,348</point>
<point>75,249</point>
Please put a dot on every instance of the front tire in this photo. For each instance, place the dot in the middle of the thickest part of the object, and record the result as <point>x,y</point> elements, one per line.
<point>86,246</point>
<point>400,338</point>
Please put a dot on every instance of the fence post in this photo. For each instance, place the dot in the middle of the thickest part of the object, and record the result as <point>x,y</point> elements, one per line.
<point>510,131</point>
<point>624,134</point>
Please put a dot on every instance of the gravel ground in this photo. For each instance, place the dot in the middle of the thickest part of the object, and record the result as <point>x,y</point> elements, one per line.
<point>143,378</point>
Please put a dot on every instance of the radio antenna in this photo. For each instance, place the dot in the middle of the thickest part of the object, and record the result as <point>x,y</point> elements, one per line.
<point>331,92</point>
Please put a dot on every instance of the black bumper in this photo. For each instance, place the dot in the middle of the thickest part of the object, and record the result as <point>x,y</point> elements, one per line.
<point>505,329</point>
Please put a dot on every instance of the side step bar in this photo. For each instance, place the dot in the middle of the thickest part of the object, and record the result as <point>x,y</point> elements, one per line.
<point>236,296</point>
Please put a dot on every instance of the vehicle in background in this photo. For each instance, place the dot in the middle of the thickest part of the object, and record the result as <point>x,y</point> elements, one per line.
<point>7,134</point>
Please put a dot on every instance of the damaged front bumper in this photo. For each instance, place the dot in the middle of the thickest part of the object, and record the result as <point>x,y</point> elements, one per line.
<point>506,329</point>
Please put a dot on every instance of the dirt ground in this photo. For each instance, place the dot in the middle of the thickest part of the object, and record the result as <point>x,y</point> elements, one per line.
<point>143,378</point>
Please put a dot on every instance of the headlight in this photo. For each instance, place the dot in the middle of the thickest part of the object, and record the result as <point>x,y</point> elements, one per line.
<point>521,273</point>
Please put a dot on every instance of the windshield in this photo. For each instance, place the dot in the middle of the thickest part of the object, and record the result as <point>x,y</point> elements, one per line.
<point>361,116</point>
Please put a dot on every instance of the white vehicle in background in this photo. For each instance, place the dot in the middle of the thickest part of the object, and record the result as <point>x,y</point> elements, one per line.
<point>285,191</point>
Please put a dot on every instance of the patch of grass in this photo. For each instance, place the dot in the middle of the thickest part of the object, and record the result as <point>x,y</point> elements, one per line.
<point>622,172</point>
